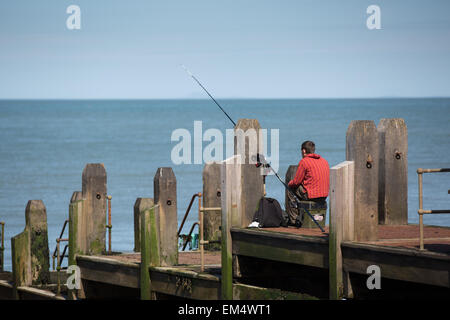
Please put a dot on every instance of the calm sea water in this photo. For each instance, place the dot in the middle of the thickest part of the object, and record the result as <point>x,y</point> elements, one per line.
<point>44,146</point>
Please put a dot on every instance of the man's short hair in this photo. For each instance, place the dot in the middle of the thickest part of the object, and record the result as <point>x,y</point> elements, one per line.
<point>309,147</point>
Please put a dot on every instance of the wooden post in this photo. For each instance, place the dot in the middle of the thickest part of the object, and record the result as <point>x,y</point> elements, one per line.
<point>290,173</point>
<point>29,249</point>
<point>247,143</point>
<point>393,173</point>
<point>165,195</point>
<point>231,182</point>
<point>150,249</point>
<point>362,148</point>
<point>341,223</point>
<point>94,192</point>
<point>212,199</point>
<point>77,239</point>
<point>140,206</point>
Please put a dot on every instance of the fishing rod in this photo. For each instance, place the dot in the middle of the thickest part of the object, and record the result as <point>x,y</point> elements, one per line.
<point>196,80</point>
<point>259,158</point>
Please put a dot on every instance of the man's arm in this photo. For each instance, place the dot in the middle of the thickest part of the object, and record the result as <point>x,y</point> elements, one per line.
<point>299,176</point>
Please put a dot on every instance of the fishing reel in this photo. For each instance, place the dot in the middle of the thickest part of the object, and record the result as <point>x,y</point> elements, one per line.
<point>260,161</point>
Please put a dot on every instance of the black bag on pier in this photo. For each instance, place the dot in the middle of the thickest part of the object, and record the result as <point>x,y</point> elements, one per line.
<point>269,214</point>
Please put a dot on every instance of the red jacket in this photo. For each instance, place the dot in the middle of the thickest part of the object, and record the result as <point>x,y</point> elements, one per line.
<point>313,173</point>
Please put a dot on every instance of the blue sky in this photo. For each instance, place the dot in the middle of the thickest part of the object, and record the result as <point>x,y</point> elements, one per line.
<point>238,49</point>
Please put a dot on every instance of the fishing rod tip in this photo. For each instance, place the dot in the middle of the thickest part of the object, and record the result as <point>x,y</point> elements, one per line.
<point>186,69</point>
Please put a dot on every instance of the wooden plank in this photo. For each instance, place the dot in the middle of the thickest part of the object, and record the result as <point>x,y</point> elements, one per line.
<point>398,263</point>
<point>140,206</point>
<point>109,271</point>
<point>247,143</point>
<point>283,247</point>
<point>211,197</point>
<point>189,284</point>
<point>94,192</point>
<point>248,292</point>
<point>393,173</point>
<point>230,173</point>
<point>29,293</point>
<point>362,148</point>
<point>6,290</point>
<point>150,249</point>
<point>341,223</point>
<point>165,196</point>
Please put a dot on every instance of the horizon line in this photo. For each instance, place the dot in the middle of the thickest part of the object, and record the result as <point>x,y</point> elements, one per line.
<point>226,98</point>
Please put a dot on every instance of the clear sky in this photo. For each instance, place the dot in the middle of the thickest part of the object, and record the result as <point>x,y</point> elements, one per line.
<point>238,49</point>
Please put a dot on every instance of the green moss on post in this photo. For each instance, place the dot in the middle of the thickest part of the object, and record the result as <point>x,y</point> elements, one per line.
<point>21,260</point>
<point>139,207</point>
<point>29,249</point>
<point>150,255</point>
<point>75,231</point>
<point>231,185</point>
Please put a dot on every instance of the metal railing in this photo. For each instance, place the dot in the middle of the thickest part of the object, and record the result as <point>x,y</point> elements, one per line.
<point>2,247</point>
<point>187,211</point>
<point>56,255</point>
<point>109,225</point>
<point>199,223</point>
<point>421,211</point>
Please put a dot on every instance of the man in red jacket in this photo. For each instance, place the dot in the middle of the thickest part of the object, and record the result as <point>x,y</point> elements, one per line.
<point>312,179</point>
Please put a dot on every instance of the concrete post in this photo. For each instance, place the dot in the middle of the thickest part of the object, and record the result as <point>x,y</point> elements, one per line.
<point>140,206</point>
<point>94,192</point>
<point>247,143</point>
<point>165,197</point>
<point>212,199</point>
<point>362,148</point>
<point>29,249</point>
<point>393,173</point>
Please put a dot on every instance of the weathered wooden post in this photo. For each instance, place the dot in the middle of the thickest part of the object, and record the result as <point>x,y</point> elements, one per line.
<point>94,194</point>
<point>341,225</point>
<point>212,199</point>
<point>150,249</point>
<point>247,143</point>
<point>140,206</point>
<point>29,249</point>
<point>230,173</point>
<point>290,174</point>
<point>393,172</point>
<point>77,238</point>
<point>362,148</point>
<point>165,197</point>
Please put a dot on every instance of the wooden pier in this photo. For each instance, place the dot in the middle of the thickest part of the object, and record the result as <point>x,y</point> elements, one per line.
<point>251,263</point>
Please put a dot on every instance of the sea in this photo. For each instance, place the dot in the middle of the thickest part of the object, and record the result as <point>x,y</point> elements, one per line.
<point>45,144</point>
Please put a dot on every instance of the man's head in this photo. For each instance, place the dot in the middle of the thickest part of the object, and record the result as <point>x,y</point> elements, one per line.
<point>308,147</point>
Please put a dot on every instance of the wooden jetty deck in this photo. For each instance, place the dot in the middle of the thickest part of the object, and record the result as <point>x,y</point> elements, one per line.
<point>396,252</point>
